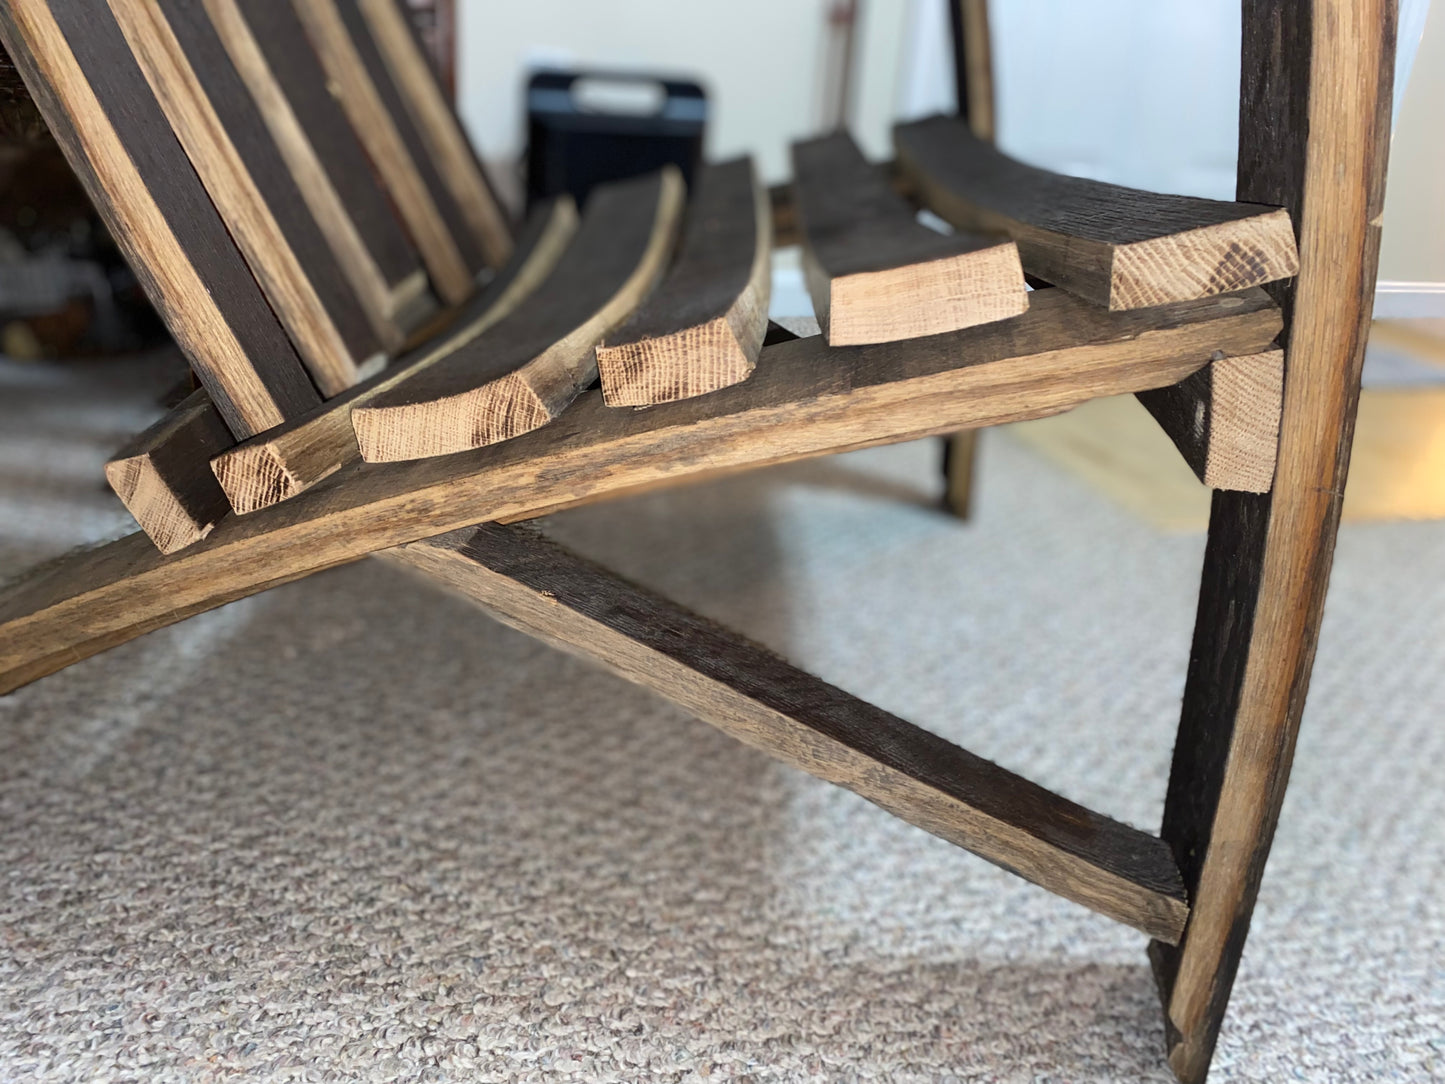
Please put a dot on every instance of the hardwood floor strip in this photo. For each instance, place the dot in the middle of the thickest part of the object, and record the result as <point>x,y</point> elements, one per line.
<point>1224,419</point>
<point>97,103</point>
<point>390,143</point>
<point>1118,247</point>
<point>216,122</point>
<point>753,695</point>
<point>875,274</point>
<point>804,399</point>
<point>1314,137</point>
<point>703,327</point>
<point>282,462</point>
<point>163,476</point>
<point>406,61</point>
<point>532,365</point>
<point>269,48</point>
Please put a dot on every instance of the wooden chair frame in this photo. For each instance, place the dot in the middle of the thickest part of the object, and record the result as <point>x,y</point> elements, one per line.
<point>1314,124</point>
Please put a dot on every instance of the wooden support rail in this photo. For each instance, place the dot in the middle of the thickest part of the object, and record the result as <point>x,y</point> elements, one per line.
<point>1117,247</point>
<point>1224,419</point>
<point>804,399</point>
<point>753,695</point>
<point>875,274</point>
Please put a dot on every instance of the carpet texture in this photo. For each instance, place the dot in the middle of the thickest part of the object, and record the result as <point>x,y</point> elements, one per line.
<point>353,830</point>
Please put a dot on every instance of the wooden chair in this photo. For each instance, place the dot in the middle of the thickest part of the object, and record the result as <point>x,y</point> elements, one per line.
<point>286,279</point>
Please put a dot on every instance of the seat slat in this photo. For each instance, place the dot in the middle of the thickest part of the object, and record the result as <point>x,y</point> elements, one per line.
<point>1118,247</point>
<point>703,327</point>
<point>289,459</point>
<point>527,369</point>
<point>98,104</point>
<point>804,399</point>
<point>226,139</point>
<point>750,693</point>
<point>875,274</point>
<point>270,49</point>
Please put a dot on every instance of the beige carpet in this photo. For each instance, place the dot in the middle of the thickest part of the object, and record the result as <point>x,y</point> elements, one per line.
<point>352,830</point>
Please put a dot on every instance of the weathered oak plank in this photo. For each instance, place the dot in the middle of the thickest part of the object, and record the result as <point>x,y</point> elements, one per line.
<point>875,274</point>
<point>753,695</point>
<point>1313,138</point>
<point>527,369</point>
<point>804,399</point>
<point>282,462</point>
<point>703,327</point>
<point>1118,247</point>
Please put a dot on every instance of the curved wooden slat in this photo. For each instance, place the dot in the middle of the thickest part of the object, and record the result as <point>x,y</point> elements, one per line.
<point>528,368</point>
<point>753,695</point>
<point>875,274</point>
<point>282,462</point>
<point>97,102</point>
<point>226,140</point>
<point>1118,247</point>
<point>703,327</point>
<point>804,399</point>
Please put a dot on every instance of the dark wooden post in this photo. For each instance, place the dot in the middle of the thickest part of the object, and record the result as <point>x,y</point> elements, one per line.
<point>1313,137</point>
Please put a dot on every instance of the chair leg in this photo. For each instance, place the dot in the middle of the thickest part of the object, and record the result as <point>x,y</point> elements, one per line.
<point>959,452</point>
<point>1313,138</point>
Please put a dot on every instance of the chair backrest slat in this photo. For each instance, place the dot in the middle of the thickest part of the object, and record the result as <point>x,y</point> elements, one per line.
<point>399,44</point>
<point>428,210</point>
<point>99,106</point>
<point>270,50</point>
<point>217,123</point>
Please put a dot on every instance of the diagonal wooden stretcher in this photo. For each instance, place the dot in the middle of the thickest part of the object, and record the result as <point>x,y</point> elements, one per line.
<point>388,367</point>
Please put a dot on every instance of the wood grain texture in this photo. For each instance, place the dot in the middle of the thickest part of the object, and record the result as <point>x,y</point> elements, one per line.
<point>875,274</point>
<point>441,132</point>
<point>289,459</point>
<point>1118,247</point>
<point>97,102</point>
<point>1314,135</point>
<point>389,139</point>
<point>1224,419</point>
<point>804,399</point>
<point>753,695</point>
<point>703,327</point>
<point>226,140</point>
<point>163,478</point>
<point>270,50</point>
<point>532,365</point>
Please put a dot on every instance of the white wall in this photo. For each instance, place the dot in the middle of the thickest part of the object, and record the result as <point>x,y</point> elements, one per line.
<point>1412,248</point>
<point>759,59</point>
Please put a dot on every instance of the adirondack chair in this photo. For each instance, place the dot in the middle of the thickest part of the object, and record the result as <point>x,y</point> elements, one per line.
<point>294,241</point>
